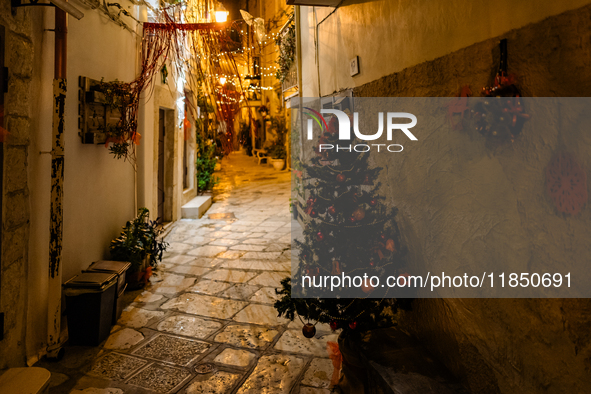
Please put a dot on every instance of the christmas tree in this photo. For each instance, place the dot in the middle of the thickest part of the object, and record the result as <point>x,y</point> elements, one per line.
<point>348,232</point>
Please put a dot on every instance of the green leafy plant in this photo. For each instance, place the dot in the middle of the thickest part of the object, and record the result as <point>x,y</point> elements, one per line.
<point>206,161</point>
<point>278,150</point>
<point>139,241</point>
<point>286,44</point>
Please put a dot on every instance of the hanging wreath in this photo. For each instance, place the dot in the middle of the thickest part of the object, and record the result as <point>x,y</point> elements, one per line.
<point>566,183</point>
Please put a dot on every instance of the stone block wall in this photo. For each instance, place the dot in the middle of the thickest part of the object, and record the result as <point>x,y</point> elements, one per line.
<point>18,109</point>
<point>498,345</point>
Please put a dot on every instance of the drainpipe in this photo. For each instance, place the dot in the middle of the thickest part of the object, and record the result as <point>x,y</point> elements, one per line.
<point>54,299</point>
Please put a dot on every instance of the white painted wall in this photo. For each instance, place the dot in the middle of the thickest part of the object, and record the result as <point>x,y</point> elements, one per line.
<point>98,189</point>
<point>391,35</point>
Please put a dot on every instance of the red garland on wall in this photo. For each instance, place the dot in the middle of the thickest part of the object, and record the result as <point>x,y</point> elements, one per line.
<point>566,183</point>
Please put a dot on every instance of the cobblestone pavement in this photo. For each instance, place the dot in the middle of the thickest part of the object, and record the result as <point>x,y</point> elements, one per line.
<point>211,304</point>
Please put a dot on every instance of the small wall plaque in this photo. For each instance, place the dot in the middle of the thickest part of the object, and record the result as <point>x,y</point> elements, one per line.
<point>354,66</point>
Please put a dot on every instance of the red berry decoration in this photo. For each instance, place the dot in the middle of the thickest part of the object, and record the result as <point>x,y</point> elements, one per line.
<point>353,325</point>
<point>373,202</point>
<point>334,325</point>
<point>331,210</point>
<point>320,236</point>
<point>341,178</point>
<point>309,330</point>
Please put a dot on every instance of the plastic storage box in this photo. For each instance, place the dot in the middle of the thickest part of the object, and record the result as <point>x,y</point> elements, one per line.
<point>120,269</point>
<point>90,298</point>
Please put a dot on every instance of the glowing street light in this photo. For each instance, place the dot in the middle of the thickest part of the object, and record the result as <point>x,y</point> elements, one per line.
<point>221,14</point>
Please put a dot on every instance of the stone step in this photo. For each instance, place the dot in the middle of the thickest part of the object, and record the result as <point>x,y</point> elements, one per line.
<point>196,208</point>
<point>31,380</point>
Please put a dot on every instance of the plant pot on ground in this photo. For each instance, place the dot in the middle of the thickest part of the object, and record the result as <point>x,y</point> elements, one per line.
<point>140,245</point>
<point>278,154</point>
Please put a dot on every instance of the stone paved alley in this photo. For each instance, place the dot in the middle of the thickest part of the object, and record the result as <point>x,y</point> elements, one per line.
<point>213,304</point>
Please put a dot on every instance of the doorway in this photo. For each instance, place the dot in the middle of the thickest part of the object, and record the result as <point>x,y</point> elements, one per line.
<point>161,135</point>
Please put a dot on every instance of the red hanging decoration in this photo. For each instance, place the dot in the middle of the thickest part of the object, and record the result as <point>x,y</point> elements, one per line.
<point>566,183</point>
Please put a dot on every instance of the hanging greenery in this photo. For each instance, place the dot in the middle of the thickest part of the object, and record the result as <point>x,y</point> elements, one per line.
<point>286,44</point>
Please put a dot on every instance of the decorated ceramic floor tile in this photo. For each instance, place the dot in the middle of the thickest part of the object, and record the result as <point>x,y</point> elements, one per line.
<point>160,378</point>
<point>206,286</point>
<point>123,339</point>
<point>116,366</point>
<point>176,350</point>
<point>293,341</point>
<point>190,326</point>
<point>205,305</point>
<point>230,275</point>
<point>274,374</point>
<point>235,357</point>
<point>216,383</point>
<point>138,317</point>
<point>246,336</point>
<point>319,373</point>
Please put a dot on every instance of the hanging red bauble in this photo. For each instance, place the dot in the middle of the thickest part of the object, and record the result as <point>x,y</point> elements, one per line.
<point>367,289</point>
<point>309,330</point>
<point>313,213</point>
<point>566,183</point>
<point>383,237</point>
<point>352,220</point>
<point>334,325</point>
<point>320,236</point>
<point>359,214</point>
<point>390,245</point>
<point>373,202</point>
<point>353,325</point>
<point>331,210</point>
<point>372,263</point>
<point>341,178</point>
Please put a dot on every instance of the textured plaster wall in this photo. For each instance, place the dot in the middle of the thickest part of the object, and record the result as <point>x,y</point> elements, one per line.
<point>98,189</point>
<point>462,203</point>
<point>392,35</point>
<point>21,59</point>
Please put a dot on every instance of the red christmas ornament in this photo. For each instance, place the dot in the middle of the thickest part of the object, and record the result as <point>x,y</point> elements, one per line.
<point>353,325</point>
<point>367,289</point>
<point>313,214</point>
<point>341,178</point>
<point>383,236</point>
<point>309,330</point>
<point>373,202</point>
<point>372,263</point>
<point>334,325</point>
<point>359,214</point>
<point>331,210</point>
<point>320,236</point>
<point>566,183</point>
<point>352,220</point>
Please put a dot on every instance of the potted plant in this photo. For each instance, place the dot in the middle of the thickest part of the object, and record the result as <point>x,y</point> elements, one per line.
<point>278,154</point>
<point>139,244</point>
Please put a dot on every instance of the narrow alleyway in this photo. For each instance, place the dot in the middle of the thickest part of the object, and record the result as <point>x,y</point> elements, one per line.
<point>207,324</point>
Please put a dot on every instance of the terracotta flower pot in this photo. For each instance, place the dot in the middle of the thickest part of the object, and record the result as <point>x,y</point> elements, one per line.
<point>278,164</point>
